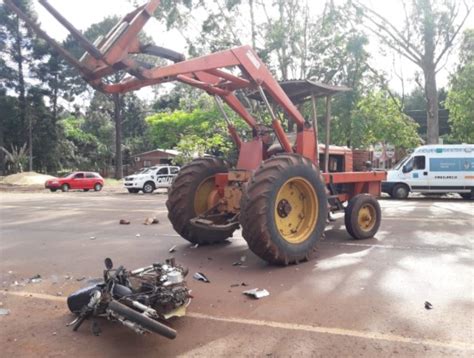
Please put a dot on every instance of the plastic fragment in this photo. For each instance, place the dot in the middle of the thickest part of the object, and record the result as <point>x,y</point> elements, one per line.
<point>195,246</point>
<point>257,293</point>
<point>92,238</point>
<point>201,277</point>
<point>172,249</point>
<point>428,305</point>
<point>4,312</point>
<point>124,222</point>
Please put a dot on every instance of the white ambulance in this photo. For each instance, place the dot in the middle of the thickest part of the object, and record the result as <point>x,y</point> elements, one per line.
<point>433,169</point>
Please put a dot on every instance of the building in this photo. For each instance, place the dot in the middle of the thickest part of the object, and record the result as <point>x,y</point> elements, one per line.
<point>152,158</point>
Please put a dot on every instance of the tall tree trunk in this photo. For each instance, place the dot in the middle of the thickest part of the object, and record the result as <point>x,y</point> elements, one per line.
<point>118,135</point>
<point>429,71</point>
<point>26,122</point>
<point>252,24</point>
<point>431,94</point>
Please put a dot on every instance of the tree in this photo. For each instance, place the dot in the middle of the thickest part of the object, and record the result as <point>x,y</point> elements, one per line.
<point>426,39</point>
<point>460,100</point>
<point>17,157</point>
<point>377,118</point>
<point>17,49</point>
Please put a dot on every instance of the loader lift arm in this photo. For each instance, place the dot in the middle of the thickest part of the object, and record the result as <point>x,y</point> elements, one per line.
<point>210,73</point>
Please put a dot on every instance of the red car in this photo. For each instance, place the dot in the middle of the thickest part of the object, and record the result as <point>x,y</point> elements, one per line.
<point>76,180</point>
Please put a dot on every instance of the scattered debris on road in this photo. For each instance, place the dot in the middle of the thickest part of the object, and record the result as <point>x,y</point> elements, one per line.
<point>237,263</point>
<point>92,238</point>
<point>150,221</point>
<point>257,293</point>
<point>4,312</point>
<point>201,277</point>
<point>195,246</point>
<point>137,235</point>
<point>59,294</point>
<point>81,278</point>
<point>124,222</point>
<point>172,249</point>
<point>428,305</point>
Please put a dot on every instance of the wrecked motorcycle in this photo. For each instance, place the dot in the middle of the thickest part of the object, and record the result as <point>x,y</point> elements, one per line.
<point>137,299</point>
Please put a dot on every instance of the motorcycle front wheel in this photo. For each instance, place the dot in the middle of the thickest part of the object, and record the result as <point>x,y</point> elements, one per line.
<point>142,320</point>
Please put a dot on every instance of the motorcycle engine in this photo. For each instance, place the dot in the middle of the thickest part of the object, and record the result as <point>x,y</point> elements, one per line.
<point>168,291</point>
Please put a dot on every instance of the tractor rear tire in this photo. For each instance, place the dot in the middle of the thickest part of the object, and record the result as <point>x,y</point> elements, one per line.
<point>363,216</point>
<point>188,196</point>
<point>284,209</point>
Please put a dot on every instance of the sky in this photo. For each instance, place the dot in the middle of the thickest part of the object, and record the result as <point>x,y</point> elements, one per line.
<point>83,13</point>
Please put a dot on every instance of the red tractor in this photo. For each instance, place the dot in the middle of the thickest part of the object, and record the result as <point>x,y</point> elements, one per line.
<point>276,191</point>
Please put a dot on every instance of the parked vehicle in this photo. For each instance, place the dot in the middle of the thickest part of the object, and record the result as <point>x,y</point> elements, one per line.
<point>78,180</point>
<point>151,179</point>
<point>433,169</point>
<point>138,299</point>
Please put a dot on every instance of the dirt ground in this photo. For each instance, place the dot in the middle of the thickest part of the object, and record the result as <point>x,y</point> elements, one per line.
<point>355,298</point>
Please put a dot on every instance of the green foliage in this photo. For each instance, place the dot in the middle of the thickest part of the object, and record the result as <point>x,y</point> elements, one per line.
<point>460,100</point>
<point>193,132</point>
<point>16,157</point>
<point>377,118</point>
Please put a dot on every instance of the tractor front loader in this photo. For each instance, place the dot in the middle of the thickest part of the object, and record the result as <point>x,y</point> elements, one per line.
<point>279,197</point>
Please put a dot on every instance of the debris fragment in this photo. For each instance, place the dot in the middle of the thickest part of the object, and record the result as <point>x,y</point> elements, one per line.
<point>137,235</point>
<point>67,277</point>
<point>201,277</point>
<point>237,263</point>
<point>195,246</point>
<point>243,259</point>
<point>4,312</point>
<point>10,272</point>
<point>257,293</point>
<point>36,279</point>
<point>172,249</point>
<point>55,333</point>
<point>428,305</point>
<point>235,285</point>
<point>81,278</point>
<point>92,238</point>
<point>124,222</point>
<point>59,294</point>
<point>244,284</point>
<point>150,221</point>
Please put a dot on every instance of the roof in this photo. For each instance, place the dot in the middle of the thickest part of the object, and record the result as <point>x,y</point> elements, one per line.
<point>301,90</point>
<point>167,151</point>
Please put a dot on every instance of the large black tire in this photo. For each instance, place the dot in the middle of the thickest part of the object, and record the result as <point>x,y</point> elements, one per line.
<point>148,187</point>
<point>142,320</point>
<point>182,196</point>
<point>261,213</point>
<point>400,191</point>
<point>368,224</point>
<point>65,187</point>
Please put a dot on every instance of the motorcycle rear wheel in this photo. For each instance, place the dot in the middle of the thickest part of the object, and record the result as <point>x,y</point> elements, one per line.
<point>142,320</point>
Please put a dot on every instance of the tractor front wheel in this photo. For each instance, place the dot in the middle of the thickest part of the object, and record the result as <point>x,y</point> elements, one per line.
<point>284,209</point>
<point>188,198</point>
<point>362,217</point>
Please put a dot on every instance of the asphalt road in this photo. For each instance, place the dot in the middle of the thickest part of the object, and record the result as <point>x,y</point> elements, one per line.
<point>355,298</point>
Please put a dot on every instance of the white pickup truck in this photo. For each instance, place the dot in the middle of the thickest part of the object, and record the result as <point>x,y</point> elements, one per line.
<point>150,179</point>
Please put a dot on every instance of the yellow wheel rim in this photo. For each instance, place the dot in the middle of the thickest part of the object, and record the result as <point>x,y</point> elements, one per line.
<point>202,194</point>
<point>366,217</point>
<point>296,210</point>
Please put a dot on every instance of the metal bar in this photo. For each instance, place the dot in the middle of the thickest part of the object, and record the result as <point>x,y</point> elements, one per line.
<point>276,124</point>
<point>314,104</point>
<point>67,56</point>
<point>230,126</point>
<point>221,108</point>
<point>162,52</point>
<point>203,85</point>
<point>241,82</point>
<point>328,134</point>
<point>88,46</point>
